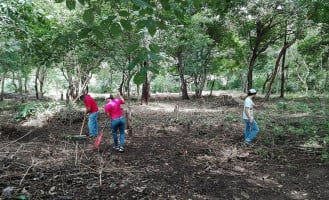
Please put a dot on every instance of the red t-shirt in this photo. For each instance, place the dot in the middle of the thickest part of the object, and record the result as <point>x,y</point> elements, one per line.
<point>114,109</point>
<point>90,103</point>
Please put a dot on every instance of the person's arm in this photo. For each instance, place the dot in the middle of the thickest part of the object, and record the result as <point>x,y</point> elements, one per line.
<point>88,108</point>
<point>108,114</point>
<point>121,98</point>
<point>247,111</point>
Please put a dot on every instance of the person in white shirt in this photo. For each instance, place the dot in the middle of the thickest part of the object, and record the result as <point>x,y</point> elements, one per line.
<point>251,127</point>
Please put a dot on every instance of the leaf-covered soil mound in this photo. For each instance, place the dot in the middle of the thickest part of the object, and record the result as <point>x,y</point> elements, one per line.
<point>178,149</point>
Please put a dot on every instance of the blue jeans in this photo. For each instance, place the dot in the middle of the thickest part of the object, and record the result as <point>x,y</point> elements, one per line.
<point>118,124</point>
<point>93,124</point>
<point>251,130</point>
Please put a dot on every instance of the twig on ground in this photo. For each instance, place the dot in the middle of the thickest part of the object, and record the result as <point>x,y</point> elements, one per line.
<point>76,153</point>
<point>18,138</point>
<point>100,170</point>
<point>12,156</point>
<point>27,171</point>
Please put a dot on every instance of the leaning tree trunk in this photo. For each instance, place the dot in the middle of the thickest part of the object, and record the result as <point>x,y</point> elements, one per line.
<point>283,64</point>
<point>277,63</point>
<point>251,69</point>
<point>283,74</point>
<point>180,67</point>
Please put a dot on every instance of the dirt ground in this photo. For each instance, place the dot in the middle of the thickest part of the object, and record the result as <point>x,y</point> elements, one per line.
<point>189,149</point>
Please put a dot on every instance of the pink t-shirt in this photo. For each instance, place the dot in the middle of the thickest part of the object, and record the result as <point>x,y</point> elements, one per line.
<point>114,108</point>
<point>90,103</point>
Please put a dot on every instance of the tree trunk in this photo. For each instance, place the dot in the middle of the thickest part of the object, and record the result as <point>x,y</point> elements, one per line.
<point>202,78</point>
<point>123,79</point>
<point>36,88</point>
<point>20,85</point>
<point>180,68</point>
<point>283,64</point>
<point>14,83</point>
<point>283,74</point>
<point>212,86</point>
<point>277,63</point>
<point>130,76</point>
<point>25,85</point>
<point>41,79</point>
<point>2,86</point>
<point>145,91</point>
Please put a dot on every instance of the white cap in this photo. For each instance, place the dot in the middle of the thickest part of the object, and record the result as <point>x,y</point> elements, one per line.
<point>252,91</point>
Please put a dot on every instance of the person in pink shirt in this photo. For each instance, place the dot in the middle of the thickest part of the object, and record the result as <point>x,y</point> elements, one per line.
<point>92,111</point>
<point>118,121</point>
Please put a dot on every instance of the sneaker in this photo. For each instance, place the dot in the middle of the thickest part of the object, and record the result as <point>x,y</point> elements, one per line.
<point>92,136</point>
<point>250,144</point>
<point>121,149</point>
<point>116,148</point>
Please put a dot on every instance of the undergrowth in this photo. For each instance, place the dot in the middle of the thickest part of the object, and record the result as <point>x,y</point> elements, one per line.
<point>296,121</point>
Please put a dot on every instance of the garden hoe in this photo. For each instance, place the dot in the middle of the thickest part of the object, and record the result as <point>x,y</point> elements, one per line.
<point>80,136</point>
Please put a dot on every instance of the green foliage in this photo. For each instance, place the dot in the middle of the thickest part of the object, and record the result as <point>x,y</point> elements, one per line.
<point>26,110</point>
<point>229,117</point>
<point>302,107</point>
<point>279,130</point>
<point>234,84</point>
<point>263,153</point>
<point>164,84</point>
<point>296,130</point>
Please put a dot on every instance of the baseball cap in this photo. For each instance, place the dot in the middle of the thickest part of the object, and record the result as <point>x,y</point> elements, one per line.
<point>252,91</point>
<point>109,97</point>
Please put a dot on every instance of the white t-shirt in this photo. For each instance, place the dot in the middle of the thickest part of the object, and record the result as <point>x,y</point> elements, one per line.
<point>248,103</point>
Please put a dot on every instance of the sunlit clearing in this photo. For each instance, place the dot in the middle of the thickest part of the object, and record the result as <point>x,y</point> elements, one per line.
<point>171,107</point>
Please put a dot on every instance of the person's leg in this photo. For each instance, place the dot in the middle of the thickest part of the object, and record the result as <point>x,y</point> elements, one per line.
<point>122,128</point>
<point>247,130</point>
<point>254,130</point>
<point>96,123</point>
<point>114,128</point>
<point>92,124</point>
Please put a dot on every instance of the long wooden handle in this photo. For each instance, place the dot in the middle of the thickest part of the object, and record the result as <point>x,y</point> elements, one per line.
<point>83,124</point>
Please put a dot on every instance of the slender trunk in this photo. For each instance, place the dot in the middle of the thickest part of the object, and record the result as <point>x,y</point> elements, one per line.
<point>130,76</point>
<point>41,80</point>
<point>13,82</point>
<point>283,74</point>
<point>250,70</point>
<point>145,88</point>
<point>20,85</point>
<point>36,82</point>
<point>122,83</point>
<point>2,86</point>
<point>277,63</point>
<point>283,64</point>
<point>212,86</point>
<point>180,68</point>
<point>145,91</point>
<point>25,85</point>
<point>244,82</point>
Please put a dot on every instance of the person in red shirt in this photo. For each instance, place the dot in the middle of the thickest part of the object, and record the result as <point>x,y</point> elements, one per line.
<point>92,111</point>
<point>118,121</point>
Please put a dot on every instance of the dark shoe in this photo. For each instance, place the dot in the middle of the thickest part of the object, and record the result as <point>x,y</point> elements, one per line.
<point>121,149</point>
<point>116,148</point>
<point>249,144</point>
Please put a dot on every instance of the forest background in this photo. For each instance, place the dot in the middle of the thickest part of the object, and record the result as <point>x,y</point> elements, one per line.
<point>141,46</point>
<point>184,67</point>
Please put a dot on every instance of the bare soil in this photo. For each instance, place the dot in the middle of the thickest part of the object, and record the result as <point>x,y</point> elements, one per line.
<point>189,149</point>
